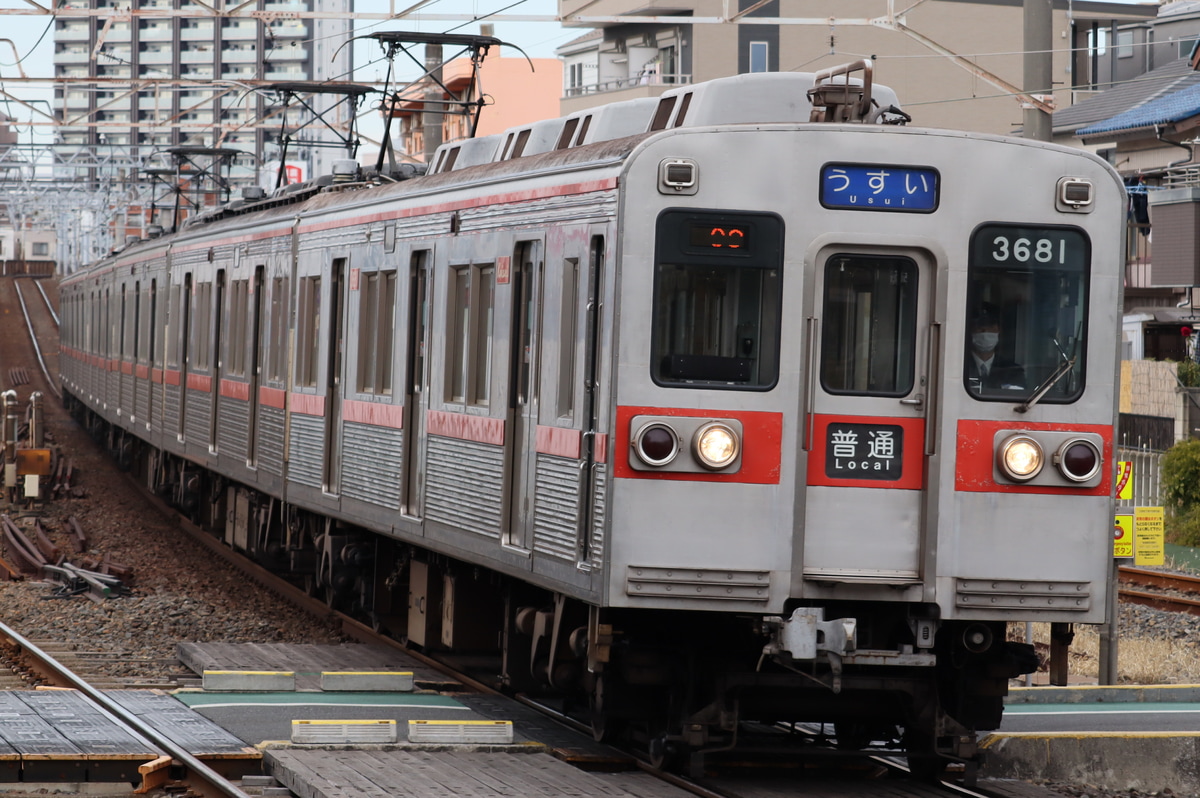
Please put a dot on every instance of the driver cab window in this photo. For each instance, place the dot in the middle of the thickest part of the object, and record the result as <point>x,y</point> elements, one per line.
<point>717,300</point>
<point>1026,313</point>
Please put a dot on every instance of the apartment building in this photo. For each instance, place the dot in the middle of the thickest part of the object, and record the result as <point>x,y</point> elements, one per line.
<point>953,63</point>
<point>146,75</point>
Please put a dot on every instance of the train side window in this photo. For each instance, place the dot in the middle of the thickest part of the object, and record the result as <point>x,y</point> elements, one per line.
<point>1026,313</point>
<point>277,362</point>
<point>239,309</point>
<point>308,327</point>
<point>869,326</point>
<point>567,337</point>
<point>173,320</point>
<point>152,344</point>
<point>718,292</point>
<point>202,326</point>
<point>122,340</point>
<point>469,337</point>
<point>376,331</point>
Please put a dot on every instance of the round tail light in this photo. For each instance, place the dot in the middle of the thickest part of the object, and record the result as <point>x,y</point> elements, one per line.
<point>1078,460</point>
<point>656,444</point>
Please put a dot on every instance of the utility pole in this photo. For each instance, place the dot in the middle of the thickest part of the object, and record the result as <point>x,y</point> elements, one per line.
<point>1039,60</point>
<point>433,115</point>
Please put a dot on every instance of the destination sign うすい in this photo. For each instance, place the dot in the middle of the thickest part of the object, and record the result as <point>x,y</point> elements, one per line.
<point>879,187</point>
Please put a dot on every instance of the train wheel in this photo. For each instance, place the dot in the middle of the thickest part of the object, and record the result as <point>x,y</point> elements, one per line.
<point>924,763</point>
<point>605,728</point>
<point>665,753</point>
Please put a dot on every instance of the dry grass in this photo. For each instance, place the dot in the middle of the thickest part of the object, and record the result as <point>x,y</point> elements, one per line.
<point>1140,660</point>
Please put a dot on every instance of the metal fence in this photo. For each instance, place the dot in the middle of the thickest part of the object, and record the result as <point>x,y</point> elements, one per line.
<point>1147,473</point>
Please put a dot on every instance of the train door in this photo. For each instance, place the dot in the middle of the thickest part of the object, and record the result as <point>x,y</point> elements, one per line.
<point>185,352</point>
<point>867,404</point>
<point>219,359</point>
<point>151,333</point>
<point>521,441</point>
<point>122,355</point>
<point>416,382</point>
<point>591,406</point>
<point>333,373</point>
<point>256,348</point>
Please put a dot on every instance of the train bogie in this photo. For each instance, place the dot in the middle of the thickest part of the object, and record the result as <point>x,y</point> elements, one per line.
<point>736,418</point>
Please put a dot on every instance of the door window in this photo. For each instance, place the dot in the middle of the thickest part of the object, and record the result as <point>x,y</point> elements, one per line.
<point>868,336</point>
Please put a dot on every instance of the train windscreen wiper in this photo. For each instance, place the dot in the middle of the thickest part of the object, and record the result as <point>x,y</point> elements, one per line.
<point>1067,364</point>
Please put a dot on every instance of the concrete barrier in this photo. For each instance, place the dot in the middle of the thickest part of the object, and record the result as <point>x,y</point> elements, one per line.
<point>1146,761</point>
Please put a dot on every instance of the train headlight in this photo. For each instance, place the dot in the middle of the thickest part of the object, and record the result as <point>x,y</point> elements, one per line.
<point>1021,458</point>
<point>1078,459</point>
<point>716,445</point>
<point>656,444</point>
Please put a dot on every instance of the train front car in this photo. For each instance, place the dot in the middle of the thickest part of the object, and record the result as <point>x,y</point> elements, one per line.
<point>863,420</point>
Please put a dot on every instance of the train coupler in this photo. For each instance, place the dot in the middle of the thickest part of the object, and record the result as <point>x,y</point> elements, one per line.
<point>806,635</point>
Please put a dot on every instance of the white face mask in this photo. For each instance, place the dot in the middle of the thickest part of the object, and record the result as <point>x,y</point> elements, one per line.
<point>985,341</point>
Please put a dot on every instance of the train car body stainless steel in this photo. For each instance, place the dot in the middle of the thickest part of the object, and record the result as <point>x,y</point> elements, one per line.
<point>706,395</point>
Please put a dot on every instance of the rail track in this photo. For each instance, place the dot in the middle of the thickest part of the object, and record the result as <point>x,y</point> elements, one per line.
<point>200,778</point>
<point>35,363</point>
<point>1169,591</point>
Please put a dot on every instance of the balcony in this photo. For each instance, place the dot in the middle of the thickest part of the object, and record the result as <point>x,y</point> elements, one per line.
<point>159,105</point>
<point>197,33</point>
<point>196,57</point>
<point>73,32</point>
<point>73,55</point>
<point>239,56</point>
<point>155,33</point>
<point>155,57</point>
<point>653,85</point>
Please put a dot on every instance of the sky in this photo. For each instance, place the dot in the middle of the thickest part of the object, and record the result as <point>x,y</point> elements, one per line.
<point>27,46</point>
<point>21,52</point>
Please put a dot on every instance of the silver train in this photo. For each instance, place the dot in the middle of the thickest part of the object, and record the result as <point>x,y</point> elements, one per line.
<point>744,403</point>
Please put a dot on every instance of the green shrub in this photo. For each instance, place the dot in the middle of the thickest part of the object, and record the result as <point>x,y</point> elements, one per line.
<point>1183,528</point>
<point>1189,373</point>
<point>1181,477</point>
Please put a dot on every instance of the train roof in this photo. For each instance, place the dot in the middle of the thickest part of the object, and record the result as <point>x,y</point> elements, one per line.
<point>762,97</point>
<point>601,133</point>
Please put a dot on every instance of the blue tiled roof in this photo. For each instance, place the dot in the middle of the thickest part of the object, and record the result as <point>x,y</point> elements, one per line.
<point>1173,107</point>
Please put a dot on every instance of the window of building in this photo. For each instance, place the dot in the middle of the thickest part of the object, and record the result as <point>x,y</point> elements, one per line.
<point>1125,44</point>
<point>759,54</point>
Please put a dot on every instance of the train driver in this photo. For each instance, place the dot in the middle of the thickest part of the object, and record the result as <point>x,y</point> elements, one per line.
<point>987,369</point>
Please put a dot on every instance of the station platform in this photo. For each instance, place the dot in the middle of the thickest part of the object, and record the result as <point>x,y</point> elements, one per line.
<point>1144,737</point>
<point>56,736</point>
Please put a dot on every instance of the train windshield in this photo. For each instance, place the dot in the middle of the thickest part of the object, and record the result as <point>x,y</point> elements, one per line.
<point>1026,317</point>
<point>717,300</point>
